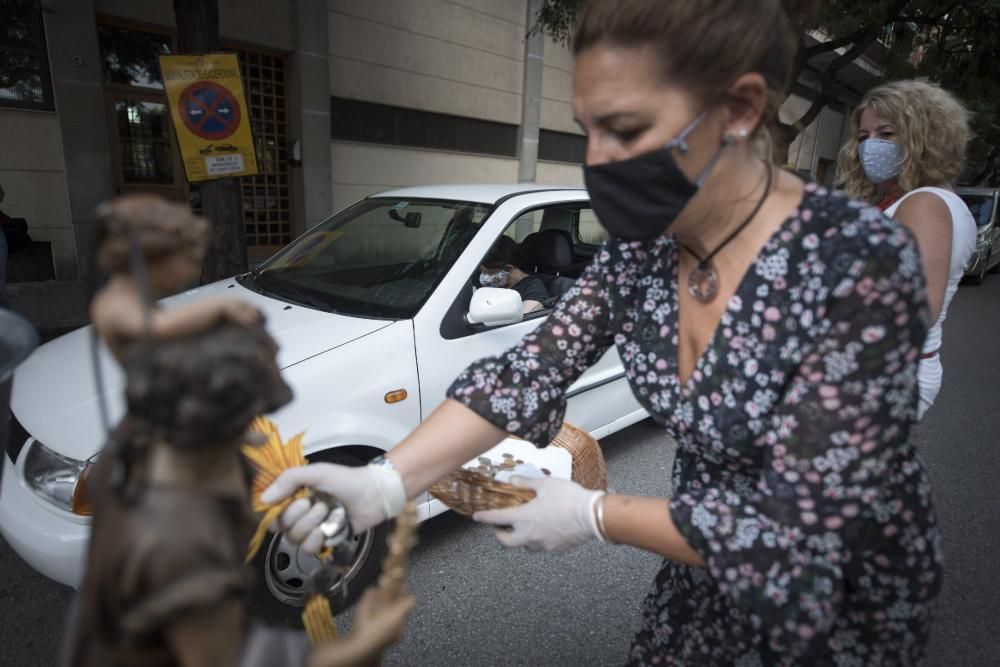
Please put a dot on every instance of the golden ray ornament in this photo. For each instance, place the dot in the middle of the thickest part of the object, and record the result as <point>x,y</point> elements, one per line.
<point>272,458</point>
<point>317,616</point>
<point>269,460</point>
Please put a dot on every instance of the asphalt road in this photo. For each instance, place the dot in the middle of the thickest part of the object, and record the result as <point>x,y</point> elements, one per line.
<point>481,605</point>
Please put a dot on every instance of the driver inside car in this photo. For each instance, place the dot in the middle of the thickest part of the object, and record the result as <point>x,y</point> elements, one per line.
<point>504,266</point>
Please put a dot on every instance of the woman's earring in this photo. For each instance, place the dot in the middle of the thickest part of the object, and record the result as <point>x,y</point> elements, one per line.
<point>739,135</point>
<point>733,137</point>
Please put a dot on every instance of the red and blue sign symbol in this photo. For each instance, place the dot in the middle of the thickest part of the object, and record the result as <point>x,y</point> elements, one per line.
<point>209,111</point>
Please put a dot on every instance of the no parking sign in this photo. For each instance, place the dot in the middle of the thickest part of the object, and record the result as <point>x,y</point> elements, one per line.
<point>210,115</point>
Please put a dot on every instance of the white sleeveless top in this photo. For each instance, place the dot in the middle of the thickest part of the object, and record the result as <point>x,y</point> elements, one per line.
<point>963,244</point>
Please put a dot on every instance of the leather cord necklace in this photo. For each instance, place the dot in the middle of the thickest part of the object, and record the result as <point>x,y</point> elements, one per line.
<point>703,281</point>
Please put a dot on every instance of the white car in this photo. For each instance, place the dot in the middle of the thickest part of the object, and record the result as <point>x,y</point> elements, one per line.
<point>375,311</point>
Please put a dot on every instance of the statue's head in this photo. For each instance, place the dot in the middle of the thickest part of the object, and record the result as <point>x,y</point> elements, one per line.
<point>170,238</point>
<point>204,390</point>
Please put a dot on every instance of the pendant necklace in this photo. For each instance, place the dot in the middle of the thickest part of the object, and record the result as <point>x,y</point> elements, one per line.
<point>703,281</point>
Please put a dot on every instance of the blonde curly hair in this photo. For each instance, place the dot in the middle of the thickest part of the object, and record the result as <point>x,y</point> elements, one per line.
<point>932,126</point>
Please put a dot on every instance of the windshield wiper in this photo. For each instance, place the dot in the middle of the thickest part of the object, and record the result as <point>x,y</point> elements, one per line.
<point>285,292</point>
<point>252,277</point>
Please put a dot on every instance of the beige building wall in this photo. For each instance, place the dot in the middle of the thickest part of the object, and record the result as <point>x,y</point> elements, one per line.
<point>457,57</point>
<point>560,173</point>
<point>33,175</point>
<point>364,169</point>
<point>461,57</point>
<point>557,89</point>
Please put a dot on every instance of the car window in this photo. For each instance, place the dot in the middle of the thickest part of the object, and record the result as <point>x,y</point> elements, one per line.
<point>588,229</point>
<point>562,217</point>
<point>981,207</point>
<point>529,223</point>
<point>381,257</point>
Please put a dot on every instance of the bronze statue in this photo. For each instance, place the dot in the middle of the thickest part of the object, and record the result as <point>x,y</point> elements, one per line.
<point>166,582</point>
<point>168,242</point>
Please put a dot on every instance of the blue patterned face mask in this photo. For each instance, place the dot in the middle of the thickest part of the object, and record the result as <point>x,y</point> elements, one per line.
<point>880,159</point>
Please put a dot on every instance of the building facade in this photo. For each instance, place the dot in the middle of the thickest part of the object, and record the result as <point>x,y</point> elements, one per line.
<point>346,98</point>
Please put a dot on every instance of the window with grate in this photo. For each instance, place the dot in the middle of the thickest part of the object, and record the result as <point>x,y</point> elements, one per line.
<point>266,197</point>
<point>145,143</point>
<point>24,67</point>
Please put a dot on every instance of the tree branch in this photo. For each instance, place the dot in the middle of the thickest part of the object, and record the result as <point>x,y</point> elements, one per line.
<point>834,44</point>
<point>828,87</point>
<point>929,20</point>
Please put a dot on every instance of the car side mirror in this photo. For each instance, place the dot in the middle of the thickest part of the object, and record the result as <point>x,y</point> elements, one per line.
<point>493,307</point>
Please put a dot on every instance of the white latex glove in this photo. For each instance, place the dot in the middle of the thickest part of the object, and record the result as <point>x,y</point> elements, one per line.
<point>560,517</point>
<point>371,494</point>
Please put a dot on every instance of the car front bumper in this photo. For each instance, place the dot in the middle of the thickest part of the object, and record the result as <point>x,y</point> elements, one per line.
<point>975,265</point>
<point>50,540</point>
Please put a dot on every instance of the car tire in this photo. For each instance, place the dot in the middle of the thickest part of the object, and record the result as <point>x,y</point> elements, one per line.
<point>280,569</point>
<point>995,268</point>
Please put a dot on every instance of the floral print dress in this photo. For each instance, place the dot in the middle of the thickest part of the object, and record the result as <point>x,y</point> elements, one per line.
<point>794,477</point>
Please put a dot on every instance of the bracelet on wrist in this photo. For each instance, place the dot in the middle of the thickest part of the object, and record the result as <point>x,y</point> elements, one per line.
<point>597,515</point>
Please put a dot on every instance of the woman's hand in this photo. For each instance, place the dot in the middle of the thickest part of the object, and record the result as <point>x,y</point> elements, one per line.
<point>561,516</point>
<point>371,494</point>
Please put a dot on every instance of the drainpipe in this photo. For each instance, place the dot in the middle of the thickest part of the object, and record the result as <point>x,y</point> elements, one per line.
<point>531,98</point>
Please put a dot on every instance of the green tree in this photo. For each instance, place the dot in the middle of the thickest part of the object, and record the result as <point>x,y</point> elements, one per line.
<point>961,51</point>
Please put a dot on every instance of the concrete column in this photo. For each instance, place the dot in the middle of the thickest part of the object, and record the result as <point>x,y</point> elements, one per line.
<point>78,88</point>
<point>814,160</point>
<point>531,98</point>
<point>310,105</point>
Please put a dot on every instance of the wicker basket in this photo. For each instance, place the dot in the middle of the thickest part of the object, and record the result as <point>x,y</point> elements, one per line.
<point>467,492</point>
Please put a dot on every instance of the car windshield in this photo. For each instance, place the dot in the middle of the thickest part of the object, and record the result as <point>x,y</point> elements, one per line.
<point>380,258</point>
<point>981,207</point>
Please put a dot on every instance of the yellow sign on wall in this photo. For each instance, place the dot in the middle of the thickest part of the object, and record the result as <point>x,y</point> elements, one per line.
<point>211,118</point>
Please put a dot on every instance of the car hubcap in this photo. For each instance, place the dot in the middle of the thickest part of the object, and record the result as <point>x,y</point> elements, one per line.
<point>287,567</point>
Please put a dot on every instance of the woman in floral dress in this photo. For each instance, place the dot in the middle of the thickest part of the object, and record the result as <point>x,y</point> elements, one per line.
<point>771,327</point>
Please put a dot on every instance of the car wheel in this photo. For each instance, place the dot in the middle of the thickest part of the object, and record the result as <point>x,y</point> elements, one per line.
<point>995,268</point>
<point>282,569</point>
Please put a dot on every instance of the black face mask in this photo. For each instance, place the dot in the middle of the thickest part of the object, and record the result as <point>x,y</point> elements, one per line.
<point>637,199</point>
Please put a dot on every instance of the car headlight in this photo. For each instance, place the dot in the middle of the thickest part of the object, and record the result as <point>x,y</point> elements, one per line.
<point>56,478</point>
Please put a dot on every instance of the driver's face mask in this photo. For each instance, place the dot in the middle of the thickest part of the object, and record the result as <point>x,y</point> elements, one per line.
<point>498,279</point>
